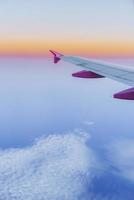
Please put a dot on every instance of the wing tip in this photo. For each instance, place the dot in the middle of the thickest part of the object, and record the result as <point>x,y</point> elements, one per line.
<point>57,56</point>
<point>55,53</point>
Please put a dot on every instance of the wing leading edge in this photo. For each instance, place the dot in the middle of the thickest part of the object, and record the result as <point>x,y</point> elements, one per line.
<point>116,72</point>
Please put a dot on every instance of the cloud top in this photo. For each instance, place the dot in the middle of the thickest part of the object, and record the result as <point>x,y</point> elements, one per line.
<point>57,167</point>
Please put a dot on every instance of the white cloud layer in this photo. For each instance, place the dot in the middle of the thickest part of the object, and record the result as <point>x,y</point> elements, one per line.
<point>122,157</point>
<point>58,167</point>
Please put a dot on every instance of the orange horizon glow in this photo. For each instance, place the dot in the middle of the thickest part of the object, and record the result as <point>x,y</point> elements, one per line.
<point>81,48</point>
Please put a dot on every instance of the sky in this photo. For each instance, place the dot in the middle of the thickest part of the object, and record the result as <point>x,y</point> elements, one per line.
<point>91,28</point>
<point>62,137</point>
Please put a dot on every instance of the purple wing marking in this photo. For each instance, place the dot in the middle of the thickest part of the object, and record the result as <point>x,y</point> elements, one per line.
<point>86,74</point>
<point>57,56</point>
<point>125,94</point>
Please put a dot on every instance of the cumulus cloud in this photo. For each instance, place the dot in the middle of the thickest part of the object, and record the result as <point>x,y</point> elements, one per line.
<point>58,167</point>
<point>122,157</point>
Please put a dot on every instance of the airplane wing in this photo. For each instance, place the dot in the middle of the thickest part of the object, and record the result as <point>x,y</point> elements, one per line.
<point>98,69</point>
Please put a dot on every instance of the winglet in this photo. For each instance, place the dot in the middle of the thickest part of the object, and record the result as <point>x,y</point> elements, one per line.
<point>57,56</point>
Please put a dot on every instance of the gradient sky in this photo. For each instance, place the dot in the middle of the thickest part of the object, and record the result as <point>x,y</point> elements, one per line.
<point>96,28</point>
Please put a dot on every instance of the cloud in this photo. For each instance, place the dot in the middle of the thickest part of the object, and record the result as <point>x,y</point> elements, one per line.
<point>88,123</point>
<point>122,157</point>
<point>58,167</point>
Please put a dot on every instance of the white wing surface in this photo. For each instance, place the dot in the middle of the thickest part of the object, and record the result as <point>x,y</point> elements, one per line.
<point>116,72</point>
<point>123,74</point>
